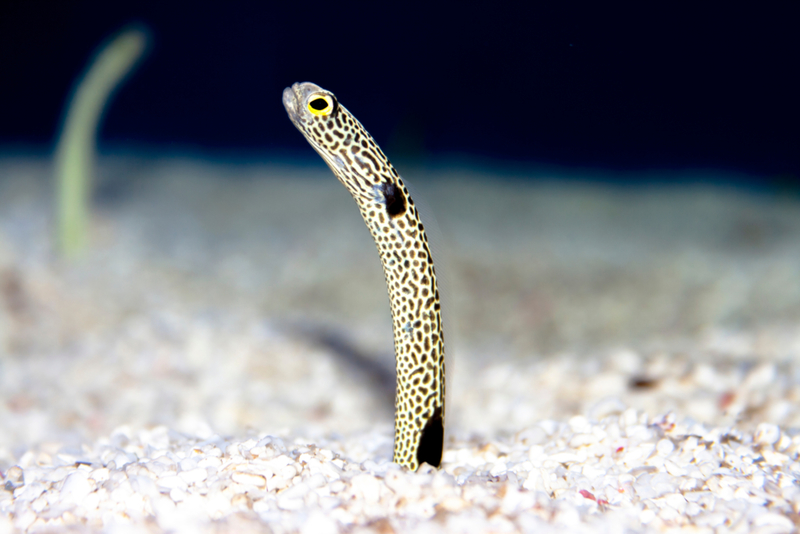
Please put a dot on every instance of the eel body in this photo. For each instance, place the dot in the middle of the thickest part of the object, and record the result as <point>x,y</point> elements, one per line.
<point>395,225</point>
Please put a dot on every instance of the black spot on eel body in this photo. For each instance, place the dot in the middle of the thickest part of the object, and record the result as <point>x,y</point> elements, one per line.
<point>395,200</point>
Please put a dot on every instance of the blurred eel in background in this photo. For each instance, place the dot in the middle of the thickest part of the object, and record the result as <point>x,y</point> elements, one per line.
<point>76,149</point>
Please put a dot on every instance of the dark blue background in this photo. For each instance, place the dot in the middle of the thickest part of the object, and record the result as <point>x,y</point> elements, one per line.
<point>643,88</point>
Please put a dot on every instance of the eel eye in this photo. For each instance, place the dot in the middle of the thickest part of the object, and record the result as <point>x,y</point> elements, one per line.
<point>320,105</point>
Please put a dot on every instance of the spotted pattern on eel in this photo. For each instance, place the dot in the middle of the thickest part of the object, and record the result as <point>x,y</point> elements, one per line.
<point>394,221</point>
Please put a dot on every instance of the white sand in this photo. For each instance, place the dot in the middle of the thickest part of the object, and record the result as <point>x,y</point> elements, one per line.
<point>626,361</point>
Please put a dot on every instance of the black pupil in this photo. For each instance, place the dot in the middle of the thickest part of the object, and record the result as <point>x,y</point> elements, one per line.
<point>319,104</point>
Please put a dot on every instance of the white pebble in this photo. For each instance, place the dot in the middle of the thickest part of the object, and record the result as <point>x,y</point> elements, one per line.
<point>532,436</point>
<point>210,462</point>
<point>774,520</point>
<point>172,481</point>
<point>24,520</point>
<point>275,464</point>
<point>144,485</point>
<point>277,483</point>
<point>249,479</point>
<point>767,434</point>
<point>100,475</point>
<point>646,516</point>
<point>707,377</point>
<point>399,483</point>
<point>774,458</point>
<point>56,475</point>
<point>76,487</point>
<point>187,464</point>
<point>563,457</point>
<point>676,501</point>
<point>578,423</point>
<point>629,417</point>
<point>499,468</point>
<point>122,459</point>
<point>581,440</point>
<point>366,487</point>
<point>674,469</point>
<point>316,481</point>
<point>626,361</point>
<point>761,377</point>
<point>664,447</point>
<point>288,472</point>
<point>606,407</point>
<point>319,523</point>
<point>289,503</point>
<point>193,476</point>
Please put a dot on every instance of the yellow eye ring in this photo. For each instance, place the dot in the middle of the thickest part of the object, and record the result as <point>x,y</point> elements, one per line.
<point>320,105</point>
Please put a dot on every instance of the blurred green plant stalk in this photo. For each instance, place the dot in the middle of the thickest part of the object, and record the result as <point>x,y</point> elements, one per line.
<point>77,144</point>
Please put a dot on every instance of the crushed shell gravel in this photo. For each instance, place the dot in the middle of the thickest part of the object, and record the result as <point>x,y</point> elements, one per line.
<point>645,378</point>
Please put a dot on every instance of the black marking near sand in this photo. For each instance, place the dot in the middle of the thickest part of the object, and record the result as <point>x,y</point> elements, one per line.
<point>432,440</point>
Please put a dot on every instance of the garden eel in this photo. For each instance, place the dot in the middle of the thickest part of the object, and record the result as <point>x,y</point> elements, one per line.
<point>390,214</point>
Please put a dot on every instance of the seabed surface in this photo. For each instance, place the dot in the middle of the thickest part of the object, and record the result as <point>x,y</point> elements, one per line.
<point>220,360</point>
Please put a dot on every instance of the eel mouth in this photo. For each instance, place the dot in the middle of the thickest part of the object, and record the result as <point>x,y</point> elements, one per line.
<point>294,99</point>
<point>290,98</point>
